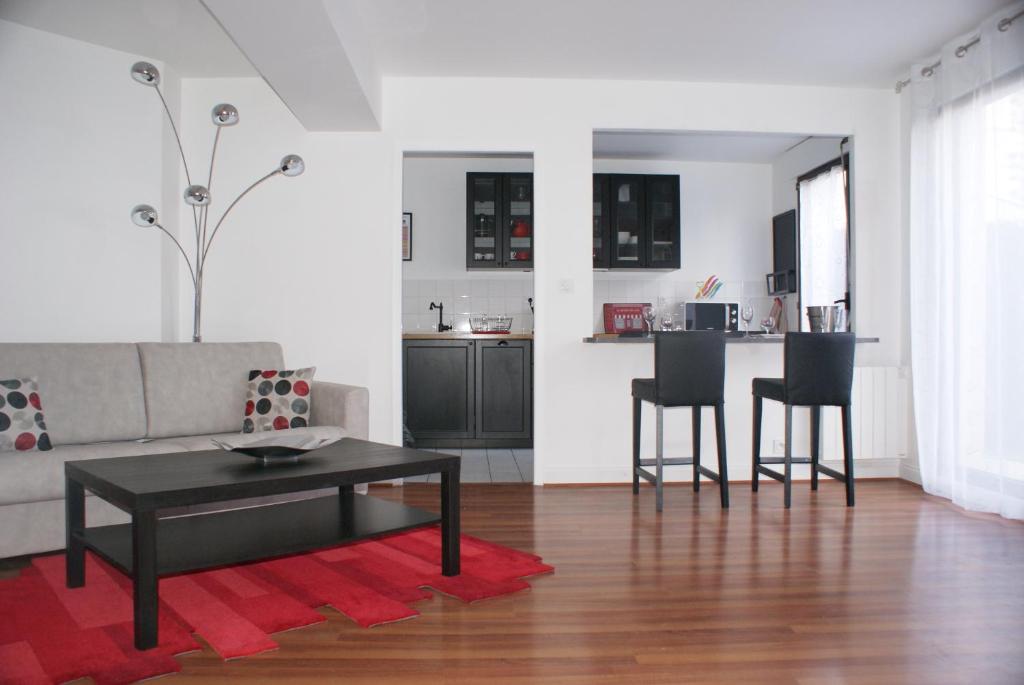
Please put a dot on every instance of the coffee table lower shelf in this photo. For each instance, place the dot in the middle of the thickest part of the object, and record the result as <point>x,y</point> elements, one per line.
<point>200,541</point>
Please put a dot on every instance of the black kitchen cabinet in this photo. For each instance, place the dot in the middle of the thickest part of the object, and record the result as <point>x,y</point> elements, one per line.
<point>499,221</point>
<point>469,393</point>
<point>438,388</point>
<point>636,221</point>
<point>503,389</point>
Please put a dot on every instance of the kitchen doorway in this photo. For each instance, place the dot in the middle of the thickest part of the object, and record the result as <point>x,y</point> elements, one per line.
<point>467,311</point>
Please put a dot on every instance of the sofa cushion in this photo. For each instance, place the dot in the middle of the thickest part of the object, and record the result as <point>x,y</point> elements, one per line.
<point>199,388</point>
<point>277,400</point>
<point>22,424</point>
<point>93,391</point>
<point>38,476</point>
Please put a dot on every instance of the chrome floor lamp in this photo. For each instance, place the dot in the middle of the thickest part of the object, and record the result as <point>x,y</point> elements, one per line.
<point>198,196</point>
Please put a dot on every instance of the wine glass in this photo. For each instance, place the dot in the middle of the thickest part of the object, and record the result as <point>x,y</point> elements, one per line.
<point>666,322</point>
<point>648,316</point>
<point>768,324</point>
<point>747,314</point>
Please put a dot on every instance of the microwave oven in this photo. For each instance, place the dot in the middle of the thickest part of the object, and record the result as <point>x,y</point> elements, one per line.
<point>712,316</point>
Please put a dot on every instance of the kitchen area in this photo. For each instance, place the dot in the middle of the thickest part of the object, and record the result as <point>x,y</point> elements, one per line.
<point>691,231</point>
<point>467,312</point>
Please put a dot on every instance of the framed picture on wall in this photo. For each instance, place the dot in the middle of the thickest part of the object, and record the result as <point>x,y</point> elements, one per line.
<point>406,236</point>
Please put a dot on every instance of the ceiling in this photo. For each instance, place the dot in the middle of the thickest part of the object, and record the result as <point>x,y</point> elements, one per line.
<point>808,42</point>
<point>757,148</point>
<point>866,43</point>
<point>180,33</point>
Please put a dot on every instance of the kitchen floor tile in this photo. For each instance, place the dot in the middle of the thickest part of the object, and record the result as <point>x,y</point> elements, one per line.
<point>524,460</point>
<point>503,466</point>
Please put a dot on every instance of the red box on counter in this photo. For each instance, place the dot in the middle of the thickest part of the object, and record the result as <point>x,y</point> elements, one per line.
<point>624,318</point>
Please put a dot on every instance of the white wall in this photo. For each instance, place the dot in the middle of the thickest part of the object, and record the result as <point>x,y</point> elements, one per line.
<point>312,261</point>
<point>82,144</point>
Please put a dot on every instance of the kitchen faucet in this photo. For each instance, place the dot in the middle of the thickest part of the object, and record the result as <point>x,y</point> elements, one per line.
<point>441,327</point>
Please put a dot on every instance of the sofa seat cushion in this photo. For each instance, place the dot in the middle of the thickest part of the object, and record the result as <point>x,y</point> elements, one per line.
<point>39,476</point>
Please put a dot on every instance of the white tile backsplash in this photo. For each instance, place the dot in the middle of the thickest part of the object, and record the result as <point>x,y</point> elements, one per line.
<point>463,297</point>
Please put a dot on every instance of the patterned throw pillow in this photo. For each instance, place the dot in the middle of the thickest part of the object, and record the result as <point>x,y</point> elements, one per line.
<point>277,400</point>
<point>22,425</point>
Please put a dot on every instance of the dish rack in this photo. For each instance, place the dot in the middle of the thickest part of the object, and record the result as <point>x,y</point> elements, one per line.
<point>490,324</point>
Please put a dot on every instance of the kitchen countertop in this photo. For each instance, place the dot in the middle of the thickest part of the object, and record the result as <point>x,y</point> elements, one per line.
<point>756,339</point>
<point>466,335</point>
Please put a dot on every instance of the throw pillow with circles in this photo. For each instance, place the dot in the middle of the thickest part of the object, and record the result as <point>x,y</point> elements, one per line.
<point>22,424</point>
<point>277,400</point>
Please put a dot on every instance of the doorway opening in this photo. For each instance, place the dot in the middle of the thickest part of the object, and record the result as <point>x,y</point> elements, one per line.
<point>467,311</point>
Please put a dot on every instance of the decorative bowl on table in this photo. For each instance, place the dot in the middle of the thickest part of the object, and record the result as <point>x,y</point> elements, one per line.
<point>274,448</point>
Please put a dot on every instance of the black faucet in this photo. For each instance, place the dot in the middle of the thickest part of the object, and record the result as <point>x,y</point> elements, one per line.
<point>441,327</point>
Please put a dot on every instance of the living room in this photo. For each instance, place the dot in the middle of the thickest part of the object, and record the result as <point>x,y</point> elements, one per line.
<point>314,263</point>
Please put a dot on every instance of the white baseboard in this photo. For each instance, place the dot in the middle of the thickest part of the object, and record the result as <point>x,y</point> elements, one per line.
<point>864,468</point>
<point>910,471</point>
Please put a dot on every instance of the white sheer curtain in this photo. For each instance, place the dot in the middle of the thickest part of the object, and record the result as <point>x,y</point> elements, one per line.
<point>823,240</point>
<point>967,268</point>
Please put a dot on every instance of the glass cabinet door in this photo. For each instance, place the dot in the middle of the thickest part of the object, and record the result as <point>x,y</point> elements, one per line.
<point>518,235</point>
<point>627,226</point>
<point>663,222</point>
<point>483,249</point>
<point>602,222</point>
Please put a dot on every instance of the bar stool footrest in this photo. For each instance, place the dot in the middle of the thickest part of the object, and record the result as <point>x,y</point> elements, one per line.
<point>678,461</point>
<point>782,460</point>
<point>832,473</point>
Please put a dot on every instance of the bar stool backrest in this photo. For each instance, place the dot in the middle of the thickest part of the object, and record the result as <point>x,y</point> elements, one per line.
<point>689,368</point>
<point>819,368</point>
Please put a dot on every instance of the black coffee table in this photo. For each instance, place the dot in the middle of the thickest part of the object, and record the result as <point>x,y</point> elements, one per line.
<point>150,547</point>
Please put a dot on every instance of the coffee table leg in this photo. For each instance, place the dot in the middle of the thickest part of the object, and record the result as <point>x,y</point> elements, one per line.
<point>450,554</point>
<point>74,524</point>
<point>346,495</point>
<point>144,579</point>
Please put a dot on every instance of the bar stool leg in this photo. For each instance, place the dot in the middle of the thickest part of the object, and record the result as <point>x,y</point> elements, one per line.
<point>815,444</point>
<point>659,469</point>
<point>756,451</point>
<point>723,469</point>
<point>848,454</point>
<point>695,411</point>
<point>787,483</point>
<point>636,444</point>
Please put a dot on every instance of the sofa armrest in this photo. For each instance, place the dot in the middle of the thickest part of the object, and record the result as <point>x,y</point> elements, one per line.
<point>348,406</point>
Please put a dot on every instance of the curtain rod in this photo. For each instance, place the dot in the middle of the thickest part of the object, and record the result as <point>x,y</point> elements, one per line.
<point>927,71</point>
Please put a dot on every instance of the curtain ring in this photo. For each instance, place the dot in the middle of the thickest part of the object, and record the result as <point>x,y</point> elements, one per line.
<point>961,51</point>
<point>1004,24</point>
<point>927,72</point>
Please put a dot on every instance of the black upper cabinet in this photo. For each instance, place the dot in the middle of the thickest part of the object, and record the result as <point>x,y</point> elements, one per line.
<point>602,223</point>
<point>499,221</point>
<point>636,221</point>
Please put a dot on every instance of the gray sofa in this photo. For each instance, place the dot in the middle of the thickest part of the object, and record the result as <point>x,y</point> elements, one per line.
<point>121,399</point>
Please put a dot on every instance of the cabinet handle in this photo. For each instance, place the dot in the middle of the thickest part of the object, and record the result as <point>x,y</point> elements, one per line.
<point>503,343</point>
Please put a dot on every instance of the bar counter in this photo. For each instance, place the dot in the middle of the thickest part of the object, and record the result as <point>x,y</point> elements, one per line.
<point>730,338</point>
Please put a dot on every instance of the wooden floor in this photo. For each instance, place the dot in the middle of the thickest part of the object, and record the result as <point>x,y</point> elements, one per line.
<point>905,588</point>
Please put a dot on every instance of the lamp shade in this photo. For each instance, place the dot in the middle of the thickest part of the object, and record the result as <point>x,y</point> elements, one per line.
<point>292,165</point>
<point>197,196</point>
<point>144,215</point>
<point>224,115</point>
<point>146,74</point>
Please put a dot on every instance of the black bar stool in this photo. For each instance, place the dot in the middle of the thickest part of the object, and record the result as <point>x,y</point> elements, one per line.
<point>818,372</point>
<point>689,371</point>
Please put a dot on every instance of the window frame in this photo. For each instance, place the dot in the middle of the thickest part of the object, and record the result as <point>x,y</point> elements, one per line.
<point>844,161</point>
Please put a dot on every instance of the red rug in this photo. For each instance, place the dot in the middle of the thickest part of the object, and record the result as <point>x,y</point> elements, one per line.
<point>50,634</point>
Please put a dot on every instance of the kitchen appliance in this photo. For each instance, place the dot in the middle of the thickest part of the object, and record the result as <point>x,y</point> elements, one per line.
<point>624,318</point>
<point>711,316</point>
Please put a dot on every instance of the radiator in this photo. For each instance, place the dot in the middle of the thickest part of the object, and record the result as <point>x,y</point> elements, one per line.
<point>880,416</point>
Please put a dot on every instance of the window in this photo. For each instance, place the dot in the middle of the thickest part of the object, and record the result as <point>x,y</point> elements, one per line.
<point>824,237</point>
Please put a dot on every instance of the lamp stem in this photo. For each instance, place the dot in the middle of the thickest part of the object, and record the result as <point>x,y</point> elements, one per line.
<point>195,282</point>
<point>174,128</point>
<point>206,249</point>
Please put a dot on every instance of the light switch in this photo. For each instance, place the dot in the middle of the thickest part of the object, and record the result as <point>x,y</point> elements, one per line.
<point>567,285</point>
